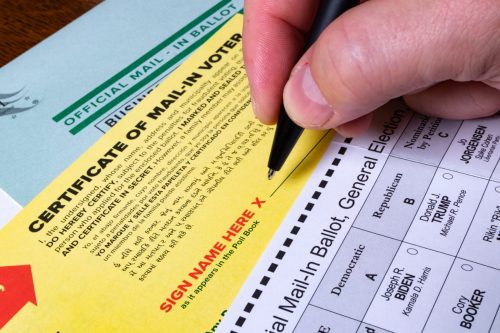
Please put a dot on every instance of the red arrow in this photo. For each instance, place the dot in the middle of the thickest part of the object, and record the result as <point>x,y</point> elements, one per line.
<point>16,289</point>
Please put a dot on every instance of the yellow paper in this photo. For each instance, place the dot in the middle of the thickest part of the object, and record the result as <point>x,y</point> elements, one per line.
<point>156,227</point>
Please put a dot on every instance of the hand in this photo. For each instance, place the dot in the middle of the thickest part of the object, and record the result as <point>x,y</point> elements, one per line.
<point>442,56</point>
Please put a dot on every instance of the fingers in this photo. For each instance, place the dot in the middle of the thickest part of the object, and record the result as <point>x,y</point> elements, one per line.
<point>273,38</point>
<point>383,49</point>
<point>456,100</point>
<point>355,127</point>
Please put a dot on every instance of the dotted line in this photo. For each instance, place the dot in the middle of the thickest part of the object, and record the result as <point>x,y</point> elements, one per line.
<point>289,240</point>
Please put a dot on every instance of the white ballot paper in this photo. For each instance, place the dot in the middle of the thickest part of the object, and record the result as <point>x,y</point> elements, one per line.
<point>396,231</point>
<point>9,208</point>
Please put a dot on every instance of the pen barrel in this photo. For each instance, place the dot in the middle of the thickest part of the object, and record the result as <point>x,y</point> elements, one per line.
<point>286,135</point>
<point>287,132</point>
<point>328,10</point>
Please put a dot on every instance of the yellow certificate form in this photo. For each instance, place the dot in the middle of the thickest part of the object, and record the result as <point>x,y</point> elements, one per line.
<point>157,226</point>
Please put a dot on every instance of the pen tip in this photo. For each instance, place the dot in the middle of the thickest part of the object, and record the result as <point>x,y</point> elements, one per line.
<point>270,174</point>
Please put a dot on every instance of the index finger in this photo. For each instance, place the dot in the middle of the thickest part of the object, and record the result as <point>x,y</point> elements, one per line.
<point>273,37</point>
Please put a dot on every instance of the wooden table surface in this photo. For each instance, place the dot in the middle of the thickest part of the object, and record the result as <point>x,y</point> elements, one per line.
<point>24,23</point>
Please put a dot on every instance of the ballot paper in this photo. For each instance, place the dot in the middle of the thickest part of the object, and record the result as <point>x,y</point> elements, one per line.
<point>155,227</point>
<point>396,231</point>
<point>59,97</point>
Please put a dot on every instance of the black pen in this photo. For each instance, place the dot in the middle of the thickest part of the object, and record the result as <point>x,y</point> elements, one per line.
<point>287,132</point>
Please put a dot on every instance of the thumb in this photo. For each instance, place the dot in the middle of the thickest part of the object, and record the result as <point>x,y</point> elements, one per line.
<point>384,49</point>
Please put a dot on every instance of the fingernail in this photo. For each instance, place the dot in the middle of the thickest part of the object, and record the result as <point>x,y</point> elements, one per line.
<point>303,100</point>
<point>254,105</point>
